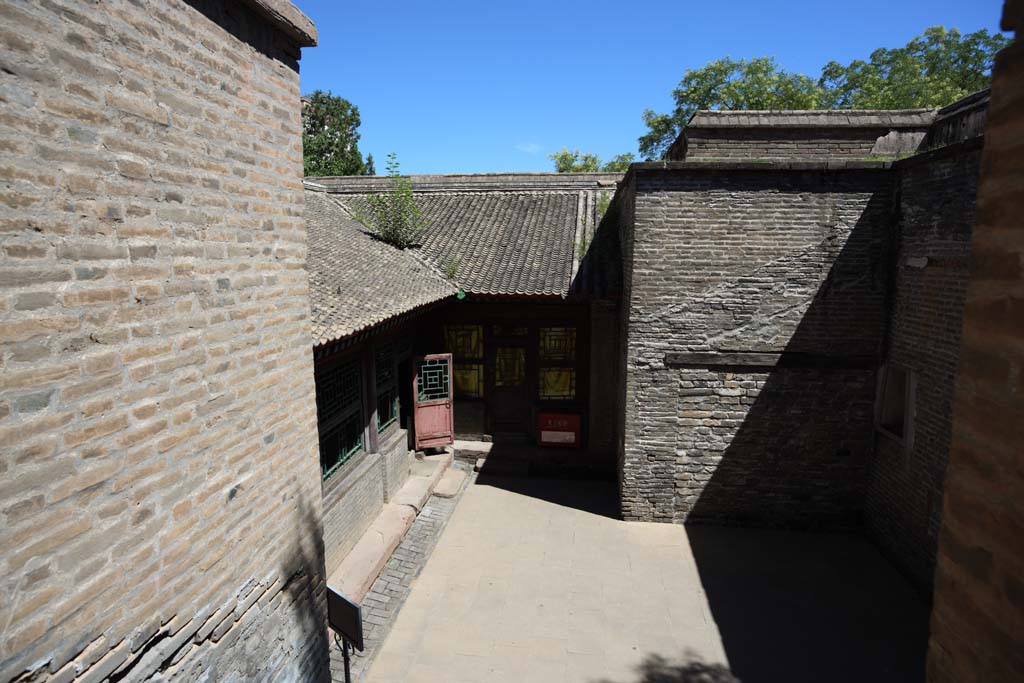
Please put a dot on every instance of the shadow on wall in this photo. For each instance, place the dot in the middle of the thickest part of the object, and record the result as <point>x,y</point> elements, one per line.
<point>688,669</point>
<point>786,445</point>
<point>304,572</point>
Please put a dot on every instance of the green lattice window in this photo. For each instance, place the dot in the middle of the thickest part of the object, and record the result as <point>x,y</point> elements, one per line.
<point>339,402</point>
<point>387,386</point>
<point>432,380</point>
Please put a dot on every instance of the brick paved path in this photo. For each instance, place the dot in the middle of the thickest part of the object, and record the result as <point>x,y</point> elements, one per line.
<point>382,603</point>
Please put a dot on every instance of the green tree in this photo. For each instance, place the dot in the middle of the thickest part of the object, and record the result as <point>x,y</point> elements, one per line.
<point>394,216</point>
<point>728,83</point>
<point>576,161</point>
<point>931,70</point>
<point>330,137</point>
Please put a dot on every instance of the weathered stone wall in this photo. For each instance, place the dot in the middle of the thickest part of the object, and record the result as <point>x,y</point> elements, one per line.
<point>725,259</point>
<point>977,624</point>
<point>903,505</point>
<point>160,493</point>
<point>794,143</point>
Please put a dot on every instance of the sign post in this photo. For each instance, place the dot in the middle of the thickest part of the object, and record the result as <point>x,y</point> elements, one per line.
<point>346,620</point>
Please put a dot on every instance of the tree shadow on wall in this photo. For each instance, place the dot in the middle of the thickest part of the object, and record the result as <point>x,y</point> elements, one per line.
<point>304,572</point>
<point>688,669</point>
<point>786,444</point>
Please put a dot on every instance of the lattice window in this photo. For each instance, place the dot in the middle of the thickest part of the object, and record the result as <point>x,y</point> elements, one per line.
<point>339,400</point>
<point>557,384</point>
<point>340,444</point>
<point>466,344</point>
<point>387,386</point>
<point>337,390</point>
<point>558,344</point>
<point>432,380</point>
<point>557,372</point>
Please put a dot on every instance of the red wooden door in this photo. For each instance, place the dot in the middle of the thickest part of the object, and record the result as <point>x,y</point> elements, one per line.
<point>433,418</point>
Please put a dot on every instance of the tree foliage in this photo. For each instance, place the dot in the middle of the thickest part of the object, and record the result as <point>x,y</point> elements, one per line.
<point>394,216</point>
<point>931,70</point>
<point>330,137</point>
<point>575,161</point>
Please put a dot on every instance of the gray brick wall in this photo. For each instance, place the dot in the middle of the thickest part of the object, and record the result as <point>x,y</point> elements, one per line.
<point>394,447</point>
<point>160,497</point>
<point>903,506</point>
<point>802,143</point>
<point>353,498</point>
<point>722,261</point>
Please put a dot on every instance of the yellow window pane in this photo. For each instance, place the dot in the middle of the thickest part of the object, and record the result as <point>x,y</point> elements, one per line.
<point>557,383</point>
<point>464,341</point>
<point>469,380</point>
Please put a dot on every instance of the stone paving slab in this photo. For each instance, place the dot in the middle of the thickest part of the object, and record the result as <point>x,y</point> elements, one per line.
<point>530,582</point>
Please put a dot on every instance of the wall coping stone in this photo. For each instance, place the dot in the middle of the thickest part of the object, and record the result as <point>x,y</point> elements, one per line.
<point>288,19</point>
<point>467,182</point>
<point>763,165</point>
<point>812,118</point>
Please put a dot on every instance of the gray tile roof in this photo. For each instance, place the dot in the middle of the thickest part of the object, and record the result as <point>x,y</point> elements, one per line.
<point>813,118</point>
<point>504,234</point>
<point>357,281</point>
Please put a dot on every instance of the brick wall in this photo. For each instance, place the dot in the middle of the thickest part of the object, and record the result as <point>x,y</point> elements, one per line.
<point>903,505</point>
<point>977,624</point>
<point>786,143</point>
<point>160,496</point>
<point>723,259</point>
<point>352,500</point>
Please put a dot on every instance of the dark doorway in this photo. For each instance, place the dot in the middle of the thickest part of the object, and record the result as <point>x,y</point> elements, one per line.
<point>509,399</point>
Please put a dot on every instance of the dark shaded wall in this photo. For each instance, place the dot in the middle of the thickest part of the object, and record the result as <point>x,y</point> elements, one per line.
<point>935,198</point>
<point>977,625</point>
<point>787,143</point>
<point>788,266</point>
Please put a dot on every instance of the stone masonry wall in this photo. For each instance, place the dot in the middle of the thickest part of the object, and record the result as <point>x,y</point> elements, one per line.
<point>352,500</point>
<point>977,623</point>
<point>903,505</point>
<point>160,493</point>
<point>727,261</point>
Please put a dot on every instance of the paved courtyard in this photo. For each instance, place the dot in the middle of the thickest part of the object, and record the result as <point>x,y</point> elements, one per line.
<point>534,580</point>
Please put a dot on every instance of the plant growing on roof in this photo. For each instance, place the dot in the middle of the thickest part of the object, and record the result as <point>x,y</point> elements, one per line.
<point>394,216</point>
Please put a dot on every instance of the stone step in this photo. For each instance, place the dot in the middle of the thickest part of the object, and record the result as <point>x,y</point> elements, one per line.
<point>360,568</point>
<point>450,484</point>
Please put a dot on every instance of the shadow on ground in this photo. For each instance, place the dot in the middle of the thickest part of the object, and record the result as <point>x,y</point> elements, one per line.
<point>688,669</point>
<point>594,496</point>
<point>795,607</point>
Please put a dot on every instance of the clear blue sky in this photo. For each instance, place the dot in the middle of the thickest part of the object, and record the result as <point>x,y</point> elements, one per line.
<point>457,86</point>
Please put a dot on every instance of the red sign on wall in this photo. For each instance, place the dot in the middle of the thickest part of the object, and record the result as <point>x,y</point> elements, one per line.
<point>558,429</point>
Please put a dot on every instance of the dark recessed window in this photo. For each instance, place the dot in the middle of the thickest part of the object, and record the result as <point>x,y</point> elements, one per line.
<point>894,407</point>
<point>387,386</point>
